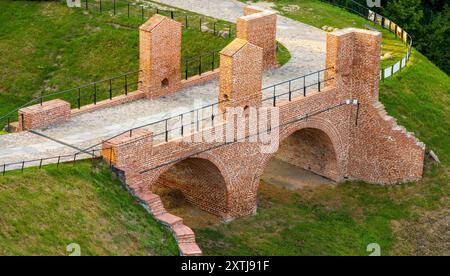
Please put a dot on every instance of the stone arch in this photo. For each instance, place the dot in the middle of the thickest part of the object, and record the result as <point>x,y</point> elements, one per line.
<point>202,181</point>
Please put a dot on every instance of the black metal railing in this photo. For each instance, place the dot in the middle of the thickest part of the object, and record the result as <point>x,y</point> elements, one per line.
<point>57,159</point>
<point>198,65</point>
<point>298,87</point>
<point>87,94</point>
<point>136,13</point>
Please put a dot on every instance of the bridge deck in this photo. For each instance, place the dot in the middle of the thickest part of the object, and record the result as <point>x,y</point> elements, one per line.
<point>307,47</point>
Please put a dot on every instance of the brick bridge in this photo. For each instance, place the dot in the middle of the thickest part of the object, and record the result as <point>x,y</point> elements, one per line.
<point>334,127</point>
<point>347,134</point>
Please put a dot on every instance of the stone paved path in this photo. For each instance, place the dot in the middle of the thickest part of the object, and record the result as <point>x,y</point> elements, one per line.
<point>305,43</point>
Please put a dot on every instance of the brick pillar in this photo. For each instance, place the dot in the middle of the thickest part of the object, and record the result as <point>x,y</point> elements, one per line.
<point>160,56</point>
<point>355,56</point>
<point>259,27</point>
<point>379,150</point>
<point>129,151</point>
<point>45,115</point>
<point>241,67</point>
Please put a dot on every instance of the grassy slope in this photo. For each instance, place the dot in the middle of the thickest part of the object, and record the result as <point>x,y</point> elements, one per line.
<point>44,46</point>
<point>404,219</point>
<point>45,210</point>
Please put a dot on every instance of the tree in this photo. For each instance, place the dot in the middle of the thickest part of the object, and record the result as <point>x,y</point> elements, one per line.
<point>406,13</point>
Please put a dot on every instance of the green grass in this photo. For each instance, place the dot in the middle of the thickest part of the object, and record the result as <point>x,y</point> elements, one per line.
<point>319,14</point>
<point>45,210</point>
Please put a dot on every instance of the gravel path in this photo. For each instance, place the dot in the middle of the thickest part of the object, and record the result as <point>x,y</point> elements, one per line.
<point>305,43</point>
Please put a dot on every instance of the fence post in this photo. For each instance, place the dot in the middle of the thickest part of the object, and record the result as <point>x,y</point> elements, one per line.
<point>8,125</point>
<point>142,12</point>
<point>95,93</point>
<point>23,165</point>
<point>214,30</point>
<point>200,65</point>
<point>200,26</point>
<point>114,7</point>
<point>182,126</point>
<point>290,91</point>
<point>274,96</point>
<point>100,5</point>
<point>110,89</point>
<point>212,63</point>
<point>126,85</point>
<point>128,10</point>
<point>86,4</point>
<point>59,159</point>
<point>171,14</point>
<point>79,98</point>
<point>186,69</point>
<point>304,86</point>
<point>4,169</point>
<point>167,132</point>
<point>186,21</point>
<point>318,79</point>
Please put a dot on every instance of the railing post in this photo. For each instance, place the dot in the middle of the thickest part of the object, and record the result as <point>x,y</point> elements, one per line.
<point>318,79</point>
<point>274,96</point>
<point>290,92</point>
<point>182,126</point>
<point>95,93</point>
<point>304,86</point>
<point>79,98</point>
<point>167,132</point>
<point>126,85</point>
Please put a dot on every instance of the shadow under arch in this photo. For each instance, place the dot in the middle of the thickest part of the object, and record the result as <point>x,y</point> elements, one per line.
<point>201,183</point>
<point>314,145</point>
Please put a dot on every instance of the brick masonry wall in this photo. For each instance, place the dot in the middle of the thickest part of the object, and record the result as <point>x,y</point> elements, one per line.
<point>160,56</point>
<point>241,66</point>
<point>45,115</point>
<point>363,144</point>
<point>259,27</point>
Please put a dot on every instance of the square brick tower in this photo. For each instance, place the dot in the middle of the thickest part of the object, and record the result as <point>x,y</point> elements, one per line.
<point>259,27</point>
<point>241,67</point>
<point>160,56</point>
